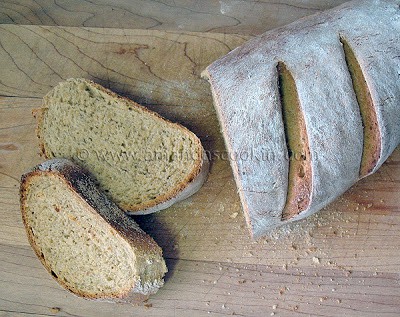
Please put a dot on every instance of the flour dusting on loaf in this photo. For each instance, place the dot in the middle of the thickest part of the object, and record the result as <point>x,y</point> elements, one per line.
<point>345,63</point>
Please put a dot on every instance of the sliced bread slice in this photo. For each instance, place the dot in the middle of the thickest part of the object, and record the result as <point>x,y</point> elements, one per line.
<point>89,245</point>
<point>143,162</point>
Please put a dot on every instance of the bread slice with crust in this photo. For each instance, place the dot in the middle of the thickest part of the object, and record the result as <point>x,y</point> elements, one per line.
<point>143,162</point>
<point>89,245</point>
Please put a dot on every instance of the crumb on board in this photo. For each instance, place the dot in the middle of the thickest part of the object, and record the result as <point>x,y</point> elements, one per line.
<point>55,310</point>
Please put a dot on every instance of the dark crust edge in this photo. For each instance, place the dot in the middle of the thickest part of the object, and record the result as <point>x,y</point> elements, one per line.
<point>144,238</point>
<point>39,114</point>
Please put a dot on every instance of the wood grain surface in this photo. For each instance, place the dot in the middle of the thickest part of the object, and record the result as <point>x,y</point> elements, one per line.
<point>343,261</point>
<point>225,16</point>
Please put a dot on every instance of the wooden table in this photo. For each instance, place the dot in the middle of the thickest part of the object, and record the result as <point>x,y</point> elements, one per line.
<point>343,261</point>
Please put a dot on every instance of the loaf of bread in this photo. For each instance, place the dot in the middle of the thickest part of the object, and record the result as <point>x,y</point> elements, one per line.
<point>310,108</point>
<point>89,245</point>
<point>143,162</point>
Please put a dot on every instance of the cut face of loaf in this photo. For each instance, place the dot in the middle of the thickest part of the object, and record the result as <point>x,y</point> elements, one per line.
<point>143,162</point>
<point>89,245</point>
<point>317,101</point>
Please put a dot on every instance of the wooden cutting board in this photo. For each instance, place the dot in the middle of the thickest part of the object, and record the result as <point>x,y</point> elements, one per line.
<point>342,261</point>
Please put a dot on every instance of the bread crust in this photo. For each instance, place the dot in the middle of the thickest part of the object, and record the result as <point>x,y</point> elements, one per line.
<point>245,95</point>
<point>190,184</point>
<point>83,186</point>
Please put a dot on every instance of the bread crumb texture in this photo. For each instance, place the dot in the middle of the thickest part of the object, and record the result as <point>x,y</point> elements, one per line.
<point>89,245</point>
<point>138,158</point>
<point>81,250</point>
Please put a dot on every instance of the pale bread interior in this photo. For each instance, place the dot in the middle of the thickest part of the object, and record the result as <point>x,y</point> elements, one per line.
<point>138,158</point>
<point>75,244</point>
